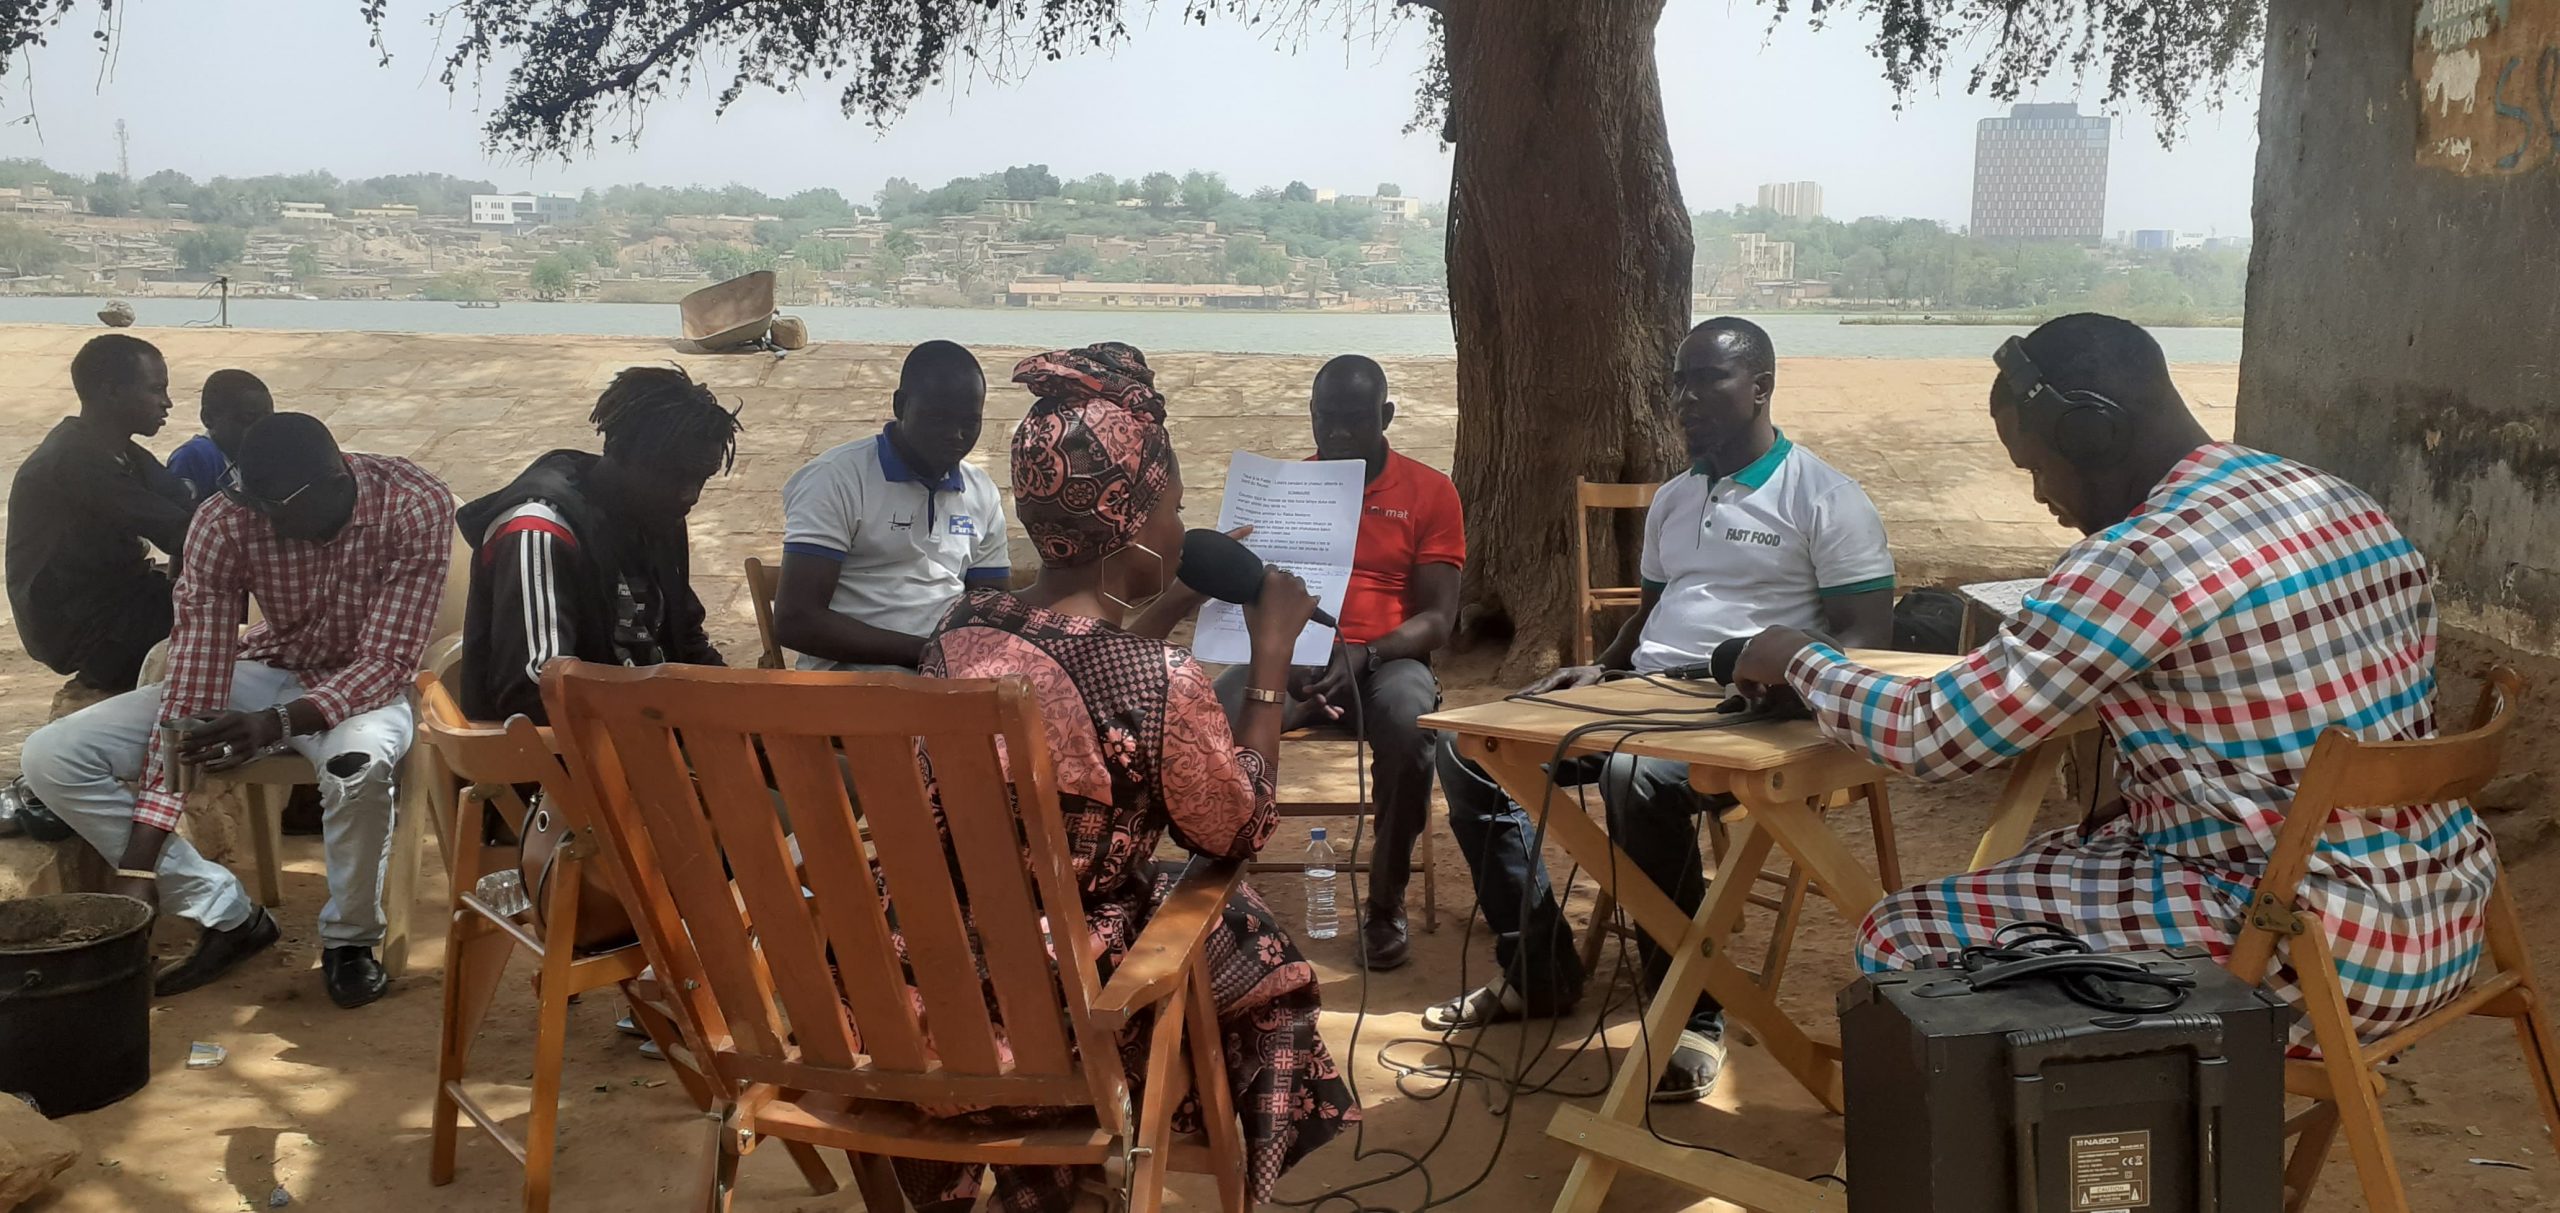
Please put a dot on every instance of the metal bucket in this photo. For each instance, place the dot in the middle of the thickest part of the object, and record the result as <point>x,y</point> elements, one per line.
<point>75,999</point>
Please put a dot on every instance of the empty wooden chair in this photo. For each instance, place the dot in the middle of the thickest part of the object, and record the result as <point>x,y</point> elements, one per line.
<point>2347,775</point>
<point>1321,808</point>
<point>784,976</point>
<point>1588,599</point>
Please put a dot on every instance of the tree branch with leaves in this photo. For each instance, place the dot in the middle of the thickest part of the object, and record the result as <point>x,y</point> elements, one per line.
<point>1568,243</point>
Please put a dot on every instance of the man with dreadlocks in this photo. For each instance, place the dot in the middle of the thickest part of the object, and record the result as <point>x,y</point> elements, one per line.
<point>584,555</point>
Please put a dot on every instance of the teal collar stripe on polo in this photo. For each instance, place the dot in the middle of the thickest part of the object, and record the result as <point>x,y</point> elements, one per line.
<point>1761,469</point>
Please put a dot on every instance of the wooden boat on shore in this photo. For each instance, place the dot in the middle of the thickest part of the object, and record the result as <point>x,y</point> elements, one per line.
<point>730,315</point>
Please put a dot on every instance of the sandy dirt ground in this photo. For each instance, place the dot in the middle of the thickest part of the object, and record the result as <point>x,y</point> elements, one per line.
<point>332,1106</point>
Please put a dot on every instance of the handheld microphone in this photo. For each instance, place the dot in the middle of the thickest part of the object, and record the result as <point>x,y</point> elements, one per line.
<point>1727,655</point>
<point>1228,571</point>
<point>1717,668</point>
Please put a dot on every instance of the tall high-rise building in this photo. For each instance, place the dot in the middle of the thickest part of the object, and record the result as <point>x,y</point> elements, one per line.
<point>1793,199</point>
<point>2041,174</point>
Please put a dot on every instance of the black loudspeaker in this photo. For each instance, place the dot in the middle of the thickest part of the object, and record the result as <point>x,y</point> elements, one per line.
<point>2000,1090</point>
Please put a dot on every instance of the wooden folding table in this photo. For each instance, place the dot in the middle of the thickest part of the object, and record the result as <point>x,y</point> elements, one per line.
<point>1781,772</point>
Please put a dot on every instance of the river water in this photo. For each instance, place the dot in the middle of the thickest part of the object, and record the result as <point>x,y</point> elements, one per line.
<point>1808,335</point>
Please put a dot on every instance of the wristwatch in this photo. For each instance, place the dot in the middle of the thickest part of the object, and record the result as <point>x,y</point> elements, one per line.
<point>1258,695</point>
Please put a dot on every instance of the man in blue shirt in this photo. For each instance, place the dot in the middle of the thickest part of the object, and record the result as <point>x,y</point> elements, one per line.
<point>233,401</point>
<point>882,534</point>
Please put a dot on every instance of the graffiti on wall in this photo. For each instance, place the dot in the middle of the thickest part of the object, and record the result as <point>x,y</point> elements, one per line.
<point>2487,74</point>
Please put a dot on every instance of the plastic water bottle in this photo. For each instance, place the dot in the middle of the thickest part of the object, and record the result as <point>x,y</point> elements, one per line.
<point>1324,913</point>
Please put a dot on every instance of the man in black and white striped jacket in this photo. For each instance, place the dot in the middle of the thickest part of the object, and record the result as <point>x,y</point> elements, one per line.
<point>585,555</point>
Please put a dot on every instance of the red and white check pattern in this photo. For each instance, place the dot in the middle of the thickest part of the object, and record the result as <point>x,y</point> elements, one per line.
<point>351,616</point>
<point>2250,604</point>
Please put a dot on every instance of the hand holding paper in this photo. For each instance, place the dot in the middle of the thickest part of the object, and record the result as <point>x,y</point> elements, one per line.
<point>1305,518</point>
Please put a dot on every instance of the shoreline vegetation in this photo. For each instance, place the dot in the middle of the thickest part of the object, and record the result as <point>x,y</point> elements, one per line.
<point>1024,236</point>
<point>669,292</point>
<point>2154,319</point>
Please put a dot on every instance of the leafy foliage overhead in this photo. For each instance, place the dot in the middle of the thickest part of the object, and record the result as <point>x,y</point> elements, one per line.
<point>571,65</point>
<point>2167,53</point>
<point>568,63</point>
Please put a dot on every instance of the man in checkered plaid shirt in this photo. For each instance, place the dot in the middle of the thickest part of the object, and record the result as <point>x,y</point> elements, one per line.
<point>2227,607</point>
<point>346,555</point>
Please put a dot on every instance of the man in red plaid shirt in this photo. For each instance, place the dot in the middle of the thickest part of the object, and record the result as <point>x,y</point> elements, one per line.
<point>346,555</point>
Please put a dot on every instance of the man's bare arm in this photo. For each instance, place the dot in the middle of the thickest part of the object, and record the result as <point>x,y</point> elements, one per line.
<point>805,621</point>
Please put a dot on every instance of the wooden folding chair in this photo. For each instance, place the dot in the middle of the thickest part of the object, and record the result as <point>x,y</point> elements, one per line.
<point>1589,600</point>
<point>763,582</point>
<point>783,977</point>
<point>2345,1083</point>
<point>1290,807</point>
<point>476,767</point>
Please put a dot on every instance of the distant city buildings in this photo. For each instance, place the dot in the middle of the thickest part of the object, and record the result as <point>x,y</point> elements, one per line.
<point>521,210</point>
<point>463,245</point>
<point>1793,199</point>
<point>38,199</point>
<point>1751,264</point>
<point>2041,174</point>
<point>1050,291</point>
<point>1390,209</point>
<point>2164,240</point>
<point>1759,259</point>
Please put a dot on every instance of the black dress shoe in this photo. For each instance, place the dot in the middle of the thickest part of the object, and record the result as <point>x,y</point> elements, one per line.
<point>353,976</point>
<point>1385,942</point>
<point>216,952</point>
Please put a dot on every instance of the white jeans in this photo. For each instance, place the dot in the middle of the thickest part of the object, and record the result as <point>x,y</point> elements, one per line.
<point>84,764</point>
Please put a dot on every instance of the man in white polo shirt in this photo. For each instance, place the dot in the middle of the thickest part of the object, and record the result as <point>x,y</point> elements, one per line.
<point>1759,529</point>
<point>880,535</point>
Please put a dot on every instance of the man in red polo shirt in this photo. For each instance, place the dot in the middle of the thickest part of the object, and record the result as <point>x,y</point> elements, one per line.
<point>1400,606</point>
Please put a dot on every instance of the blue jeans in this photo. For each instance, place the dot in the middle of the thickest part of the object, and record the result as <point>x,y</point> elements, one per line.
<point>1653,816</point>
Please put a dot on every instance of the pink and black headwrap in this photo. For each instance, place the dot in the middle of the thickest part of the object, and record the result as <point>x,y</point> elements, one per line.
<point>1092,457</point>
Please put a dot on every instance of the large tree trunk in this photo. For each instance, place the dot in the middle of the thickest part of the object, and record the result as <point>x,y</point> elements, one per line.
<point>1569,255</point>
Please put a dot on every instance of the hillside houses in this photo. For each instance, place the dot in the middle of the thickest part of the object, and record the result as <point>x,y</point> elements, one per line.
<point>1048,252</point>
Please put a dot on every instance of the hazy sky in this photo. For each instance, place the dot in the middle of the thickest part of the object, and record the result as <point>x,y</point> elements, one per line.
<point>243,88</point>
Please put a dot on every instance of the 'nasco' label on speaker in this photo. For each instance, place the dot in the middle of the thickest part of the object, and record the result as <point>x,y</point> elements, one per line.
<point>2111,1172</point>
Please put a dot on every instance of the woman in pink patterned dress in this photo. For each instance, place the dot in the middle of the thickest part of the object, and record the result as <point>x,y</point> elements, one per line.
<point>1141,747</point>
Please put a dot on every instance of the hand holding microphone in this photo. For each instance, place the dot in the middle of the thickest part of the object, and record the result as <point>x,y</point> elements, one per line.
<point>1228,571</point>
<point>1280,610</point>
<point>1756,666</point>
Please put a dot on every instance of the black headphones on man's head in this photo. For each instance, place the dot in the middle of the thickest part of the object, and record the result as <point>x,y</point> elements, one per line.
<point>2084,427</point>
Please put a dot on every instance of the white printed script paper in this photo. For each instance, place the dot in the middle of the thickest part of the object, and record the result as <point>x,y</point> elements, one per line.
<point>1306,519</point>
